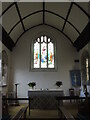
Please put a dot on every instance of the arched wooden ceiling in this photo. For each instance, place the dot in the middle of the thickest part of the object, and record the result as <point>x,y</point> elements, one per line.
<point>69,18</point>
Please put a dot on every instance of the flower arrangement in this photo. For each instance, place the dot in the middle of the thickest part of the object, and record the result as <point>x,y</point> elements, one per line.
<point>32,84</point>
<point>58,83</point>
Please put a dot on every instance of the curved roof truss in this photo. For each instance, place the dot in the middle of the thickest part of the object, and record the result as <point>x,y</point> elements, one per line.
<point>43,21</point>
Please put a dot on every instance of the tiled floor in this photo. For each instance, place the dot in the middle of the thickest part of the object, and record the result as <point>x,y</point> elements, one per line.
<point>44,114</point>
<point>71,107</point>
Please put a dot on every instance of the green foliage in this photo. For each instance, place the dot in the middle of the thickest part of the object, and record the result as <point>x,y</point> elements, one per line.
<point>58,83</point>
<point>32,84</point>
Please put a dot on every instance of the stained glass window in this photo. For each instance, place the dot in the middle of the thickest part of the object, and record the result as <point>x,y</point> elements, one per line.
<point>44,55</point>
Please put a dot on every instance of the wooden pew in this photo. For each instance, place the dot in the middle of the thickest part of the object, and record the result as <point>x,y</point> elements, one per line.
<point>21,114</point>
<point>63,112</point>
<point>29,100</point>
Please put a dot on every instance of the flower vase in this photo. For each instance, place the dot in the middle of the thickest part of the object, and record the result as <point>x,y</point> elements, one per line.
<point>33,87</point>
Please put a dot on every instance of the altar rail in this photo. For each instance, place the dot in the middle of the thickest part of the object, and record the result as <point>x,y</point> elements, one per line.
<point>57,98</point>
<point>71,98</point>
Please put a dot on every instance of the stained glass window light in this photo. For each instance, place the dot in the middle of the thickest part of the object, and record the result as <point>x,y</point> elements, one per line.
<point>43,52</point>
<point>37,54</point>
<point>50,54</point>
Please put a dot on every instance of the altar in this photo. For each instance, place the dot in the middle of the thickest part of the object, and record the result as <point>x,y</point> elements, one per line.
<point>44,99</point>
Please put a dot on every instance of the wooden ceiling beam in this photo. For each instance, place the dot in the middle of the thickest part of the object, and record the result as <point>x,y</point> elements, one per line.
<point>43,12</point>
<point>84,38</point>
<point>67,16</point>
<point>18,11</point>
<point>6,40</point>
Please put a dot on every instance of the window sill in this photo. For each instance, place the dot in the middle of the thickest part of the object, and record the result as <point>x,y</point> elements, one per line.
<point>43,70</point>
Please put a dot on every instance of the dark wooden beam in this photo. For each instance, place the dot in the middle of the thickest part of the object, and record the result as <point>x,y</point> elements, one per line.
<point>7,9</point>
<point>46,25</point>
<point>67,16</point>
<point>6,40</point>
<point>29,15</point>
<point>19,16</point>
<point>63,19</point>
<point>84,38</point>
<point>43,12</point>
<point>82,9</point>
<point>23,19</point>
<point>61,32</point>
<point>26,31</point>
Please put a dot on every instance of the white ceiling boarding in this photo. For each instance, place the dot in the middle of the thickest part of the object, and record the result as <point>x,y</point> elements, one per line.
<point>66,17</point>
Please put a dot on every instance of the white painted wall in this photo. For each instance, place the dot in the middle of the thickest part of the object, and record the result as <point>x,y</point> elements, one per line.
<point>21,63</point>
